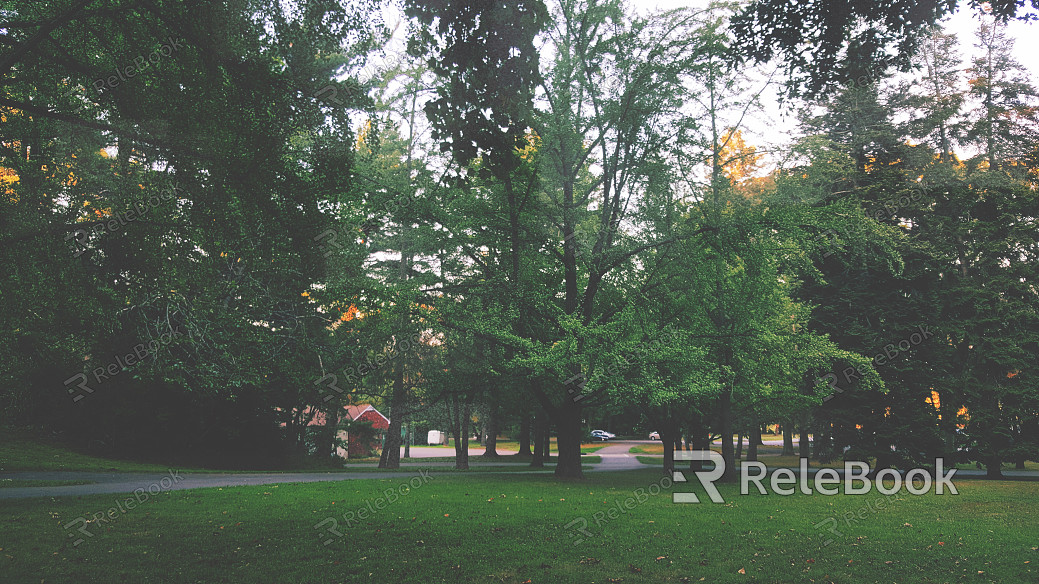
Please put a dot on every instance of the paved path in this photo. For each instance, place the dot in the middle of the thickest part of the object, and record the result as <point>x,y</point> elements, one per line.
<point>436,451</point>
<point>614,457</point>
<point>123,482</point>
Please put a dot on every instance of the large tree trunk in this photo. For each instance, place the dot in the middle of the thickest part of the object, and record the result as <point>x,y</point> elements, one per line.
<point>568,441</point>
<point>668,435</point>
<point>462,437</point>
<point>788,438</point>
<point>701,440</point>
<point>803,444</point>
<point>524,436</point>
<point>458,412</point>
<point>390,457</point>
<point>993,464</point>
<point>491,431</point>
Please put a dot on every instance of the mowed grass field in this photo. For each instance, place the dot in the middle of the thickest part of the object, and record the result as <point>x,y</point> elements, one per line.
<point>523,528</point>
<point>21,451</point>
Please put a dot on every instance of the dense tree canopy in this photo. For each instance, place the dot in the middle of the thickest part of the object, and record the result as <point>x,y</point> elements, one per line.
<point>822,44</point>
<point>225,222</point>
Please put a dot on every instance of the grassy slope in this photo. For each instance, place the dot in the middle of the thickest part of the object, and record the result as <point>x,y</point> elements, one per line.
<point>22,452</point>
<point>505,447</point>
<point>512,529</point>
<point>588,459</point>
<point>19,451</point>
<point>11,483</point>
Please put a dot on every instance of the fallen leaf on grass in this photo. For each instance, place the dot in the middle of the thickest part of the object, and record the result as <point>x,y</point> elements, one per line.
<point>589,561</point>
<point>742,571</point>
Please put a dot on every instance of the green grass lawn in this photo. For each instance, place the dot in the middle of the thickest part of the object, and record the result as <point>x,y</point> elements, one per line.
<point>588,459</point>
<point>523,528</point>
<point>19,451</point>
<point>507,447</point>
<point>11,483</point>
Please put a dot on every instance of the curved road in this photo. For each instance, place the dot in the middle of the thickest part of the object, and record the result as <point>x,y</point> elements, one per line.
<point>614,457</point>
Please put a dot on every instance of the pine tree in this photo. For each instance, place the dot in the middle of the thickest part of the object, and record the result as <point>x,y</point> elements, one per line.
<point>936,97</point>
<point>1004,125</point>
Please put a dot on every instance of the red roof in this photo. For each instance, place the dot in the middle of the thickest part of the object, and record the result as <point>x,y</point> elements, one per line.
<point>351,413</point>
<point>356,411</point>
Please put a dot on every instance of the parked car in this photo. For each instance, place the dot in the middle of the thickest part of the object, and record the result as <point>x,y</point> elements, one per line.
<point>597,436</point>
<point>654,435</point>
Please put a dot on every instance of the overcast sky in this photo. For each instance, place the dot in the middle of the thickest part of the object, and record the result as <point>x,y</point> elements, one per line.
<point>775,126</point>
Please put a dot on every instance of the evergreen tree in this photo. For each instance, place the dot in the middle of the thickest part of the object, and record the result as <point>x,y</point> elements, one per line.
<point>1004,125</point>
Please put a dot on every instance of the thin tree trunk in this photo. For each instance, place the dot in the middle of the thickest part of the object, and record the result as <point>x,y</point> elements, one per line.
<point>538,460</point>
<point>788,438</point>
<point>725,423</point>
<point>546,439</point>
<point>524,436</point>
<point>739,445</point>
<point>408,437</point>
<point>462,436</point>
<point>803,444</point>
<point>752,442</point>
<point>491,431</point>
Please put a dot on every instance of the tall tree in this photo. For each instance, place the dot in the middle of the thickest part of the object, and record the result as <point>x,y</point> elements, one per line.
<point>1005,124</point>
<point>822,47</point>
